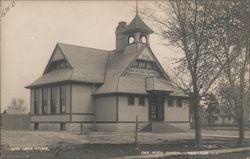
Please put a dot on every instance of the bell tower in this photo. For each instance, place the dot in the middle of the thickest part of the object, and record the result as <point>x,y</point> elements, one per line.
<point>136,32</point>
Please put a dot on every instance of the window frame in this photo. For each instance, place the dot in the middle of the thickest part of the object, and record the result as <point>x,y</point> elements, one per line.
<point>172,102</point>
<point>135,64</point>
<point>129,37</point>
<point>45,97</point>
<point>142,64</point>
<point>179,103</point>
<point>62,99</point>
<point>149,63</point>
<point>216,118</point>
<point>58,65</point>
<point>62,126</point>
<point>36,101</point>
<point>36,126</point>
<point>132,101</point>
<point>146,39</point>
<point>53,100</point>
<point>140,99</point>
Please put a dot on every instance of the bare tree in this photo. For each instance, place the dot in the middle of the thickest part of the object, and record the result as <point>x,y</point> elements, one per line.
<point>17,106</point>
<point>212,106</point>
<point>232,30</point>
<point>189,25</point>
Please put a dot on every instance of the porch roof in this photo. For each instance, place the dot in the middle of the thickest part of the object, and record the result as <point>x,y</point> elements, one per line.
<point>158,84</point>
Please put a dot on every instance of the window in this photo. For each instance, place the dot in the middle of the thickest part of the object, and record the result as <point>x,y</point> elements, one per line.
<point>53,66</point>
<point>60,64</point>
<point>63,99</point>
<point>131,39</point>
<point>131,100</point>
<point>143,39</point>
<point>53,100</point>
<point>216,118</point>
<point>62,126</point>
<point>149,65</point>
<point>45,100</point>
<point>170,103</point>
<point>179,103</point>
<point>135,64</point>
<point>142,64</point>
<point>36,101</point>
<point>141,101</point>
<point>36,126</point>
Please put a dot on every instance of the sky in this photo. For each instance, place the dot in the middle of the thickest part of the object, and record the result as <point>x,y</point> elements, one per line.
<point>30,31</point>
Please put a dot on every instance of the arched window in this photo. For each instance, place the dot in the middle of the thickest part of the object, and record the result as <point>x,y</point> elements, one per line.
<point>143,39</point>
<point>131,39</point>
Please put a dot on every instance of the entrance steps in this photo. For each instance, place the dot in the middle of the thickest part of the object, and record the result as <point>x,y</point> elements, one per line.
<point>162,127</point>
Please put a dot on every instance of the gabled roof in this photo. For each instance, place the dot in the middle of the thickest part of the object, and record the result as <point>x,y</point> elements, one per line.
<point>137,24</point>
<point>88,65</point>
<point>117,80</point>
<point>117,63</point>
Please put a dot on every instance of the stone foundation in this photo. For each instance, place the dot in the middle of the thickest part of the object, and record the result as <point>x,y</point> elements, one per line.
<point>72,127</point>
<point>130,127</point>
<point>46,126</point>
<point>106,127</point>
<point>80,127</point>
<point>101,127</point>
<point>118,127</point>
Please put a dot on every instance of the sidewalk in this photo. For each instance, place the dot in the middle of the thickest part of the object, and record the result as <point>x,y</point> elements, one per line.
<point>158,154</point>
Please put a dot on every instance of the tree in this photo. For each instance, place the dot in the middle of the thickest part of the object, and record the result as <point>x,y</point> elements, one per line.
<point>233,33</point>
<point>189,25</point>
<point>17,106</point>
<point>212,106</point>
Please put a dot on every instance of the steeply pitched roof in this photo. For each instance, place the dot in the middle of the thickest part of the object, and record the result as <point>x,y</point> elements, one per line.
<point>89,65</point>
<point>137,24</point>
<point>106,67</point>
<point>117,63</point>
<point>52,77</point>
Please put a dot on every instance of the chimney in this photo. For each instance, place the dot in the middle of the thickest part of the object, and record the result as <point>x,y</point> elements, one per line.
<point>120,37</point>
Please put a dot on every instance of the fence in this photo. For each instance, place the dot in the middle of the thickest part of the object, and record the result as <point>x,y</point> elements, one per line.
<point>15,121</point>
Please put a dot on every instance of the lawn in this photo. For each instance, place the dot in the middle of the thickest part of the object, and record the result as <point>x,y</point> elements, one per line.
<point>106,145</point>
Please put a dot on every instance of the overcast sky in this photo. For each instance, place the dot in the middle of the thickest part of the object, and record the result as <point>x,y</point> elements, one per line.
<point>30,31</point>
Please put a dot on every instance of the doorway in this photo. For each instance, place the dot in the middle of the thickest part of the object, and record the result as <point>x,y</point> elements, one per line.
<point>156,107</point>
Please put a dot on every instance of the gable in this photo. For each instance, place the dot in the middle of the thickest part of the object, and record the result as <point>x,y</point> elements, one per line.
<point>146,64</point>
<point>57,55</point>
<point>57,61</point>
<point>146,55</point>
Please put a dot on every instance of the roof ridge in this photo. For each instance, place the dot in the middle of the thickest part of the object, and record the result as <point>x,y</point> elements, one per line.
<point>85,47</point>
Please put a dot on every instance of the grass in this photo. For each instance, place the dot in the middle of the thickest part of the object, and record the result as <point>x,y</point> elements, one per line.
<point>106,145</point>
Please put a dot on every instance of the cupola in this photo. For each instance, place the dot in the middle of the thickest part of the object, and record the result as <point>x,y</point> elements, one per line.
<point>137,31</point>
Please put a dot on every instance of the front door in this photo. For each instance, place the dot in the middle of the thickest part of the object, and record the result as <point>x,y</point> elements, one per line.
<point>156,110</point>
